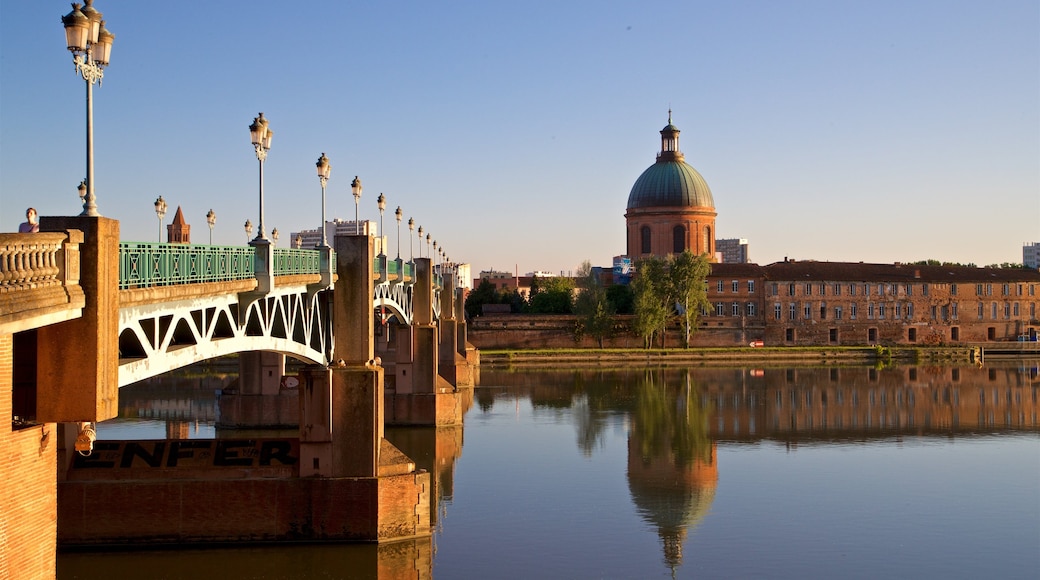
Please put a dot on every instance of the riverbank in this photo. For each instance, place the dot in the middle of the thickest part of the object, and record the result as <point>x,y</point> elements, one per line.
<point>859,355</point>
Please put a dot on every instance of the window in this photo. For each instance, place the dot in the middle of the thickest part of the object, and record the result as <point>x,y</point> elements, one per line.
<point>924,289</point>
<point>1007,310</point>
<point>774,289</point>
<point>679,239</point>
<point>880,289</point>
<point>872,335</point>
<point>934,312</point>
<point>751,286</point>
<point>719,286</point>
<point>1032,290</point>
<point>823,289</point>
<point>993,310</point>
<point>823,311</point>
<point>852,289</point>
<point>1032,310</point>
<point>955,333</point>
<point>719,309</point>
<point>834,336</point>
<point>881,311</point>
<point>808,289</point>
<point>792,311</point>
<point>982,309</point>
<point>852,311</point>
<point>750,309</point>
<point>909,310</point>
<point>644,238</point>
<point>1019,289</point>
<point>735,309</point>
<point>837,313</point>
<point>1015,310</point>
<point>837,289</point>
<point>790,289</point>
<point>1005,290</point>
<point>911,334</point>
<point>807,310</point>
<point>953,310</point>
<point>953,289</point>
<point>789,335</point>
<point>989,289</point>
<point>909,289</point>
<point>777,311</point>
<point>897,310</point>
<point>870,310</point>
<point>735,286</point>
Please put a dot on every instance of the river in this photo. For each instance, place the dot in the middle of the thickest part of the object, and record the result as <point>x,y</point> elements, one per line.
<point>774,472</point>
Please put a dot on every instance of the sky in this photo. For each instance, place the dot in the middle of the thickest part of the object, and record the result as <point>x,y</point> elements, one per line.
<point>880,131</point>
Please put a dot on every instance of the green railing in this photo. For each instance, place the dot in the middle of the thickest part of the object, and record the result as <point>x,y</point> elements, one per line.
<point>289,262</point>
<point>143,264</point>
<point>392,268</point>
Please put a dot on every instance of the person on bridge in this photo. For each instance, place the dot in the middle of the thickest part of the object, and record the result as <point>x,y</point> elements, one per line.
<point>31,225</point>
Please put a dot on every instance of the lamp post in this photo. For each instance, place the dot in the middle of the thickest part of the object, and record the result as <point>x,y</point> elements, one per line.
<point>260,135</point>
<point>355,189</point>
<point>160,212</point>
<point>324,171</point>
<point>411,228</point>
<point>298,242</point>
<point>211,219</point>
<point>435,254</point>
<point>249,230</point>
<point>91,46</point>
<point>397,214</point>
<point>381,202</point>
<point>82,188</point>
<point>428,245</point>
<point>420,241</point>
<point>274,236</point>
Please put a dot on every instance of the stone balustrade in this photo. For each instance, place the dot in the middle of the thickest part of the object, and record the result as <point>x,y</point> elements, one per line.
<point>39,274</point>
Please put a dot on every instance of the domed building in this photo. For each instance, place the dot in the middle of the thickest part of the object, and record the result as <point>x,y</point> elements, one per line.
<point>670,208</point>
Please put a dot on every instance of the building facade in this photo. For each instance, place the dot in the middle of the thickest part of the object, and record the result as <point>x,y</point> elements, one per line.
<point>1031,255</point>
<point>732,251</point>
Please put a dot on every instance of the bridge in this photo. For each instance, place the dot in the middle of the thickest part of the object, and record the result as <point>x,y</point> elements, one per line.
<point>83,314</point>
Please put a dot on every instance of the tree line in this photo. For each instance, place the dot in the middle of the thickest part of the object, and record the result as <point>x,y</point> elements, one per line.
<point>663,291</point>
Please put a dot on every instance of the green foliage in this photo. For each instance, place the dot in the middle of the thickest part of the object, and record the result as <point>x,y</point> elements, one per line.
<point>553,297</point>
<point>485,293</point>
<point>688,278</point>
<point>651,304</point>
<point>621,298</point>
<point>595,314</point>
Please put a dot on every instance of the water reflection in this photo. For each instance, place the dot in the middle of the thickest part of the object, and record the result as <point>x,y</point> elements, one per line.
<point>650,444</point>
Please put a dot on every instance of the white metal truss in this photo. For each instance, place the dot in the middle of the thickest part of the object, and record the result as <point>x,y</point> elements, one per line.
<point>157,338</point>
<point>393,300</point>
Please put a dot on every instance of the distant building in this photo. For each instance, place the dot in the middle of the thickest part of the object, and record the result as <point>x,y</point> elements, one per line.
<point>309,239</point>
<point>1031,255</point>
<point>732,251</point>
<point>179,232</point>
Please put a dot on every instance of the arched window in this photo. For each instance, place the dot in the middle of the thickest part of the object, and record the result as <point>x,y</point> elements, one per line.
<point>678,239</point>
<point>644,236</point>
<point>706,248</point>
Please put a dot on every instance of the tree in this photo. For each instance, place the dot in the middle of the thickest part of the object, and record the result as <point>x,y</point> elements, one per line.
<point>485,293</point>
<point>594,311</point>
<point>553,297</point>
<point>620,298</point>
<point>650,299</point>
<point>688,276</point>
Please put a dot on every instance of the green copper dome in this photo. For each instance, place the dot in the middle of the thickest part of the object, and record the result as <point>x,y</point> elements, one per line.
<point>670,182</point>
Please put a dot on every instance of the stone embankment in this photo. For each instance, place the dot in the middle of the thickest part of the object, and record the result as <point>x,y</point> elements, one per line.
<point>720,357</point>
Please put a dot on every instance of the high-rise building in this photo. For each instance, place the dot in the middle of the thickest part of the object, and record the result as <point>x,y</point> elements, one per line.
<point>309,239</point>
<point>1031,255</point>
<point>732,251</point>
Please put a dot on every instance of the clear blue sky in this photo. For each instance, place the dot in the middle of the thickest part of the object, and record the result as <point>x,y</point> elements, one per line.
<point>873,131</point>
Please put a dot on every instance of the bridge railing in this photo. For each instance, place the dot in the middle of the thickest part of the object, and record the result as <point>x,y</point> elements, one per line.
<point>38,272</point>
<point>145,264</point>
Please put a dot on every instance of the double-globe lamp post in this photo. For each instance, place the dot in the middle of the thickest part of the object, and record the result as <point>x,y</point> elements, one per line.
<point>249,230</point>
<point>324,171</point>
<point>355,189</point>
<point>91,47</point>
<point>411,228</point>
<point>260,135</point>
<point>381,202</point>
<point>398,214</point>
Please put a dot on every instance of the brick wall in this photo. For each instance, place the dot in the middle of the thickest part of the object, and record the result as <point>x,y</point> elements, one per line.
<point>28,489</point>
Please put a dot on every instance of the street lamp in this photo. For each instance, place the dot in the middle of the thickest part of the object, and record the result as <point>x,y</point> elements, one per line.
<point>434,256</point>
<point>211,219</point>
<point>420,241</point>
<point>355,188</point>
<point>274,236</point>
<point>411,228</point>
<point>249,230</point>
<point>428,245</point>
<point>298,242</point>
<point>381,202</point>
<point>397,214</point>
<point>324,170</point>
<point>160,211</point>
<point>91,46</point>
<point>82,188</point>
<point>260,135</point>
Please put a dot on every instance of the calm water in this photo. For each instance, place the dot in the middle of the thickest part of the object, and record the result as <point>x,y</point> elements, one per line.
<point>911,472</point>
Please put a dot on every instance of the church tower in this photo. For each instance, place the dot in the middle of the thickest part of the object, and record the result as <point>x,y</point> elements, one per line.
<point>670,207</point>
<point>179,232</point>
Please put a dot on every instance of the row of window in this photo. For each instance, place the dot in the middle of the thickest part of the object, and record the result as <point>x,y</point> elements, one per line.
<point>877,289</point>
<point>879,311</point>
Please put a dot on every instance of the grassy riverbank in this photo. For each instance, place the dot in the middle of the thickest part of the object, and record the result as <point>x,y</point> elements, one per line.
<point>857,355</point>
